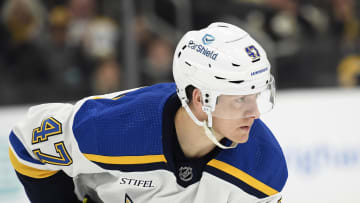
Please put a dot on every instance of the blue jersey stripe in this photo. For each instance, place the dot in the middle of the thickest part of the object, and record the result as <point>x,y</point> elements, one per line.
<point>20,149</point>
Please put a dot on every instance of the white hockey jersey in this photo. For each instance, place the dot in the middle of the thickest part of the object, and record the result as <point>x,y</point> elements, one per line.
<point>121,147</point>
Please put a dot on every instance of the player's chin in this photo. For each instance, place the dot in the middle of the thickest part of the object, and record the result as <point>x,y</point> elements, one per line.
<point>243,139</point>
<point>240,137</point>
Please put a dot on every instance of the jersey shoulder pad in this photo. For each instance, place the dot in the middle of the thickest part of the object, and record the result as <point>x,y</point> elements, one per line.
<point>127,125</point>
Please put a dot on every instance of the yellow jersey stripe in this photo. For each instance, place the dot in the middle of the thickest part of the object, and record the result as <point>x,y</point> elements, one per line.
<point>97,98</point>
<point>27,170</point>
<point>116,98</point>
<point>147,159</point>
<point>241,175</point>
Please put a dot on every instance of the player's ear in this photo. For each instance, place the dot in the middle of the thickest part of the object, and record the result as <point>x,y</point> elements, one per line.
<point>196,105</point>
<point>196,97</point>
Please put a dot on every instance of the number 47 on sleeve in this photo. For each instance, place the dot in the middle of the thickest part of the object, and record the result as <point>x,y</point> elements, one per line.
<point>51,127</point>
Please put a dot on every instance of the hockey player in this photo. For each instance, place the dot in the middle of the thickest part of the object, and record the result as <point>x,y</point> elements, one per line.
<point>198,140</point>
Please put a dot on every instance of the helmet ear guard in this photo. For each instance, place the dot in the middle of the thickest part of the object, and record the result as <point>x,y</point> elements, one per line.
<point>220,60</point>
<point>208,100</point>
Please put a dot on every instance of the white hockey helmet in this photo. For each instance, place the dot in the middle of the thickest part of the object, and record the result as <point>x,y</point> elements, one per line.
<point>223,60</point>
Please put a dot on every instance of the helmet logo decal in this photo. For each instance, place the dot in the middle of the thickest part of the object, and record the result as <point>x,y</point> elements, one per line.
<point>203,50</point>
<point>253,53</point>
<point>208,39</point>
<point>259,71</point>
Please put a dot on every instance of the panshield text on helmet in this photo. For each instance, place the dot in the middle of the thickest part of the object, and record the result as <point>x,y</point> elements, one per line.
<point>203,50</point>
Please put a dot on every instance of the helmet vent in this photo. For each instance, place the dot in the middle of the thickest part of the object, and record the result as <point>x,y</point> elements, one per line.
<point>209,65</point>
<point>179,54</point>
<point>187,63</point>
<point>184,47</point>
<point>256,60</point>
<point>220,78</point>
<point>222,26</point>
<point>236,65</point>
<point>237,81</point>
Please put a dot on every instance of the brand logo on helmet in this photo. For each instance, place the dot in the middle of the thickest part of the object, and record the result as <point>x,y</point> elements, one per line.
<point>208,39</point>
<point>259,71</point>
<point>203,50</point>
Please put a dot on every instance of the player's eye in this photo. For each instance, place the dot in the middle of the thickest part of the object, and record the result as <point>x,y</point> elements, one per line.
<point>240,99</point>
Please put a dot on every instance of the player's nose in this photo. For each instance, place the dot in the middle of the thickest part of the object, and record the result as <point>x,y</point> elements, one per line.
<point>252,111</point>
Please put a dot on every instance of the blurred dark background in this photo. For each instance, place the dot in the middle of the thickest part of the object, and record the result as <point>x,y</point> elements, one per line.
<point>55,51</point>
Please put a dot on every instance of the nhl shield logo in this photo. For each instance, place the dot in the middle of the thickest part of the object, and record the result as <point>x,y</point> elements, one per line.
<point>185,173</point>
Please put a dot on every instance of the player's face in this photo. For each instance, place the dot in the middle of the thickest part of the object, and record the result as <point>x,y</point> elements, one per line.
<point>237,128</point>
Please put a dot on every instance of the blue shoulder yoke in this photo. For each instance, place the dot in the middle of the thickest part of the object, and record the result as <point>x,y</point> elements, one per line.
<point>129,126</point>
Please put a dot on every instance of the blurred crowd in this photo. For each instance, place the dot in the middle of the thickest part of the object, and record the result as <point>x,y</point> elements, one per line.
<point>52,50</point>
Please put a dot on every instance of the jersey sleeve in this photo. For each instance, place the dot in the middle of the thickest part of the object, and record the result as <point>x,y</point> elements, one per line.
<point>41,143</point>
<point>41,152</point>
<point>45,153</point>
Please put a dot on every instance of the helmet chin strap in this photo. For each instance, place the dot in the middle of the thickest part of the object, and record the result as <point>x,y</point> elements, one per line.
<point>192,116</point>
<point>209,132</point>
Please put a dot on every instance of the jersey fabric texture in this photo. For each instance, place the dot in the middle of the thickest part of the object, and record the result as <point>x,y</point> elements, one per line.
<point>122,147</point>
